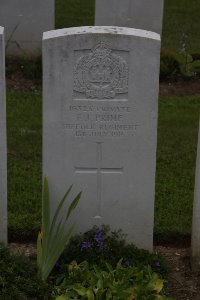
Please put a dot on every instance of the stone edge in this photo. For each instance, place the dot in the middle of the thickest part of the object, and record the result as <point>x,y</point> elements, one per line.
<point>102,30</point>
<point>1,30</point>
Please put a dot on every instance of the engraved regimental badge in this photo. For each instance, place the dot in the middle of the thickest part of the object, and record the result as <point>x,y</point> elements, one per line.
<point>101,74</point>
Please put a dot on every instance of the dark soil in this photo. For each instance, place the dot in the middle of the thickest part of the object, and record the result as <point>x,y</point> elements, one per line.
<point>177,86</point>
<point>180,87</point>
<point>18,82</point>
<point>182,283</point>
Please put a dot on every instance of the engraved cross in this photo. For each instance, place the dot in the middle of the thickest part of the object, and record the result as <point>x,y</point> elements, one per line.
<point>99,171</point>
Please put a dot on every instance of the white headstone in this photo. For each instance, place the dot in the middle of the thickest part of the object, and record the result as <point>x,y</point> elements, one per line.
<point>196,214</point>
<point>142,14</point>
<point>24,22</point>
<point>3,156</point>
<point>100,124</point>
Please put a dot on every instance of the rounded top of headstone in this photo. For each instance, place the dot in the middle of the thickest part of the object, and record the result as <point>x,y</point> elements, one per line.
<point>1,30</point>
<point>101,30</point>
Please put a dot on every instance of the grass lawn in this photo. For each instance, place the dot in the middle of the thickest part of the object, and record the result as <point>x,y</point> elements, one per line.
<point>180,16</point>
<point>72,13</point>
<point>177,139</point>
<point>24,160</point>
<point>176,156</point>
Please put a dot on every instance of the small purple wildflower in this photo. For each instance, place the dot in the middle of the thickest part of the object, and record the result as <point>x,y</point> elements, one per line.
<point>98,239</point>
<point>157,264</point>
<point>86,245</point>
<point>98,236</point>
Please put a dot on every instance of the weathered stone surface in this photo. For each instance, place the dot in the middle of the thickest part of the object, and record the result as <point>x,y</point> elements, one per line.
<point>100,124</point>
<point>142,14</point>
<point>3,161</point>
<point>196,215</point>
<point>24,22</point>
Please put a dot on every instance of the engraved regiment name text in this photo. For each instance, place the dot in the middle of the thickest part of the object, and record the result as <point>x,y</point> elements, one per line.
<point>100,121</point>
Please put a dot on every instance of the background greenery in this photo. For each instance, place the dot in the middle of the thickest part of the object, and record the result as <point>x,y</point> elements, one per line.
<point>180,16</point>
<point>177,133</point>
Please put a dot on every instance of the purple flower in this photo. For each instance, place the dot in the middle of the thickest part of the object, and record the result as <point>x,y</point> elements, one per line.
<point>98,239</point>
<point>157,264</point>
<point>98,236</point>
<point>86,245</point>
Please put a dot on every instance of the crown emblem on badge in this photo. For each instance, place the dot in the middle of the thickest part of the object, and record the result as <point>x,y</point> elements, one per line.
<point>101,50</point>
<point>101,74</point>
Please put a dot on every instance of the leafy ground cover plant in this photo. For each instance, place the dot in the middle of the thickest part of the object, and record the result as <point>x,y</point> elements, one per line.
<point>169,64</point>
<point>100,245</point>
<point>82,281</point>
<point>53,237</point>
<point>18,278</point>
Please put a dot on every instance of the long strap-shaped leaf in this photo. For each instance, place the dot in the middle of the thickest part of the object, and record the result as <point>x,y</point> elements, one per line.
<point>45,207</point>
<point>45,217</point>
<point>58,241</point>
<point>53,238</point>
<point>58,210</point>
<point>48,237</point>
<point>70,209</point>
<point>39,250</point>
<point>73,204</point>
<point>55,253</point>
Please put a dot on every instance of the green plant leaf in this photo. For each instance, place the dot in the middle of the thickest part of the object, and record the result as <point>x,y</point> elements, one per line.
<point>55,252</point>
<point>54,236</point>
<point>45,218</point>
<point>45,208</point>
<point>80,290</point>
<point>73,204</point>
<point>158,285</point>
<point>155,284</point>
<point>132,295</point>
<point>62,297</point>
<point>90,295</point>
<point>39,250</point>
<point>59,208</point>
